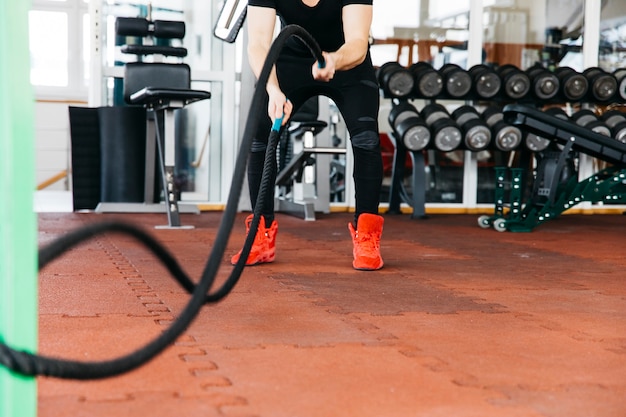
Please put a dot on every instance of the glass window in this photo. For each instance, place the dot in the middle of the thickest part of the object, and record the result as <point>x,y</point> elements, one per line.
<point>448,11</point>
<point>48,32</point>
<point>613,36</point>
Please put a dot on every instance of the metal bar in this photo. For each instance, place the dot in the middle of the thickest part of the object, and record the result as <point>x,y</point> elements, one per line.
<point>167,171</point>
<point>419,185</point>
<point>517,175</point>
<point>18,234</point>
<point>498,210</point>
<point>169,138</point>
<point>397,175</point>
<point>149,183</point>
<point>475,31</point>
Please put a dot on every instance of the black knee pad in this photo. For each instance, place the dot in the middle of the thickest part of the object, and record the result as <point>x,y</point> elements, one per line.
<point>368,140</point>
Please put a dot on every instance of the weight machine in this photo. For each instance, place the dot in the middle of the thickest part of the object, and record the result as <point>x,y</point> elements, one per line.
<point>162,89</point>
<point>304,166</point>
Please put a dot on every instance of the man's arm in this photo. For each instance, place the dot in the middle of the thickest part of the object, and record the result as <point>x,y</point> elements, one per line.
<point>261,24</point>
<point>357,20</point>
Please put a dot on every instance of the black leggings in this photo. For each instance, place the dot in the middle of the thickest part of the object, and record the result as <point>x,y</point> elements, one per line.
<point>355,92</point>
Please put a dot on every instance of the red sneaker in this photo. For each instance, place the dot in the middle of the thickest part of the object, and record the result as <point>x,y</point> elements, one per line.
<point>366,242</point>
<point>264,247</point>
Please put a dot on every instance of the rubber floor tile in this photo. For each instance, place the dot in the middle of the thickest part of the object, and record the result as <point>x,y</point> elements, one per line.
<point>460,322</point>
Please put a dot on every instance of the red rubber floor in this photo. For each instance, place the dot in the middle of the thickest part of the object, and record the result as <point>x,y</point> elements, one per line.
<point>461,321</point>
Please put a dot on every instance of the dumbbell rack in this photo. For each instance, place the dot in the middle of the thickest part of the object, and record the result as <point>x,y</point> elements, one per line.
<point>603,186</point>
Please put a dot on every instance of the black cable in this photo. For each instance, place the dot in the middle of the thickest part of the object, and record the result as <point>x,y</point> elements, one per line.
<point>30,364</point>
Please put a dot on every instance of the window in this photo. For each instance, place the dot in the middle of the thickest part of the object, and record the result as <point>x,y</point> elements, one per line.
<point>59,47</point>
<point>48,48</point>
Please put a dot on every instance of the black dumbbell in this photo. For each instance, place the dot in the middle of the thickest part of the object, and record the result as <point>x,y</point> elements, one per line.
<point>408,126</point>
<point>446,133</point>
<point>602,85</point>
<point>505,137</point>
<point>535,142</point>
<point>544,84</point>
<point>515,82</point>
<point>486,82</point>
<point>574,85</point>
<point>457,82</point>
<point>428,82</point>
<point>395,80</point>
<point>620,76</point>
<point>476,133</point>
<point>616,121</point>
<point>590,120</point>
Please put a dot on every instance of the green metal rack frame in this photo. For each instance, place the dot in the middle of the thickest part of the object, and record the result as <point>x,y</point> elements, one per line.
<point>607,186</point>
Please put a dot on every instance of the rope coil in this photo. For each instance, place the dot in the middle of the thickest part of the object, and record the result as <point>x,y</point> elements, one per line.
<point>29,364</point>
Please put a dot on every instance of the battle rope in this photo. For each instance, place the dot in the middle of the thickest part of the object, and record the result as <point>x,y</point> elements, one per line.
<point>29,364</point>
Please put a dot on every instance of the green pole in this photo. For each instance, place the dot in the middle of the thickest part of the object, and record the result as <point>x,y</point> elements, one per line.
<point>18,222</point>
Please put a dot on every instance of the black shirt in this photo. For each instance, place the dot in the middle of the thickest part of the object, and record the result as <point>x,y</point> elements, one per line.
<point>322,21</point>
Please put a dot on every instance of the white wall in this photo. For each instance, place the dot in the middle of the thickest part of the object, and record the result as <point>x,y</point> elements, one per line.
<point>52,142</point>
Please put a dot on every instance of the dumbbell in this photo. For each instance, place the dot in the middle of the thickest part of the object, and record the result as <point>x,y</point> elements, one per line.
<point>446,133</point>
<point>588,119</point>
<point>557,112</point>
<point>515,82</point>
<point>476,133</point>
<point>538,143</point>
<point>574,85</point>
<point>602,85</point>
<point>505,137</point>
<point>544,84</point>
<point>486,82</point>
<point>457,81</point>
<point>395,80</point>
<point>620,76</point>
<point>408,126</point>
<point>535,143</point>
<point>616,121</point>
<point>428,83</point>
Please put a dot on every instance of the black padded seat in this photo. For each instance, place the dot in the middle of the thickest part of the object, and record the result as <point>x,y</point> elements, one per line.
<point>158,98</point>
<point>153,83</point>
<point>298,129</point>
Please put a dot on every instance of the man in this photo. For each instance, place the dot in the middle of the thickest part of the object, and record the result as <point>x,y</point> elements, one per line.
<point>341,27</point>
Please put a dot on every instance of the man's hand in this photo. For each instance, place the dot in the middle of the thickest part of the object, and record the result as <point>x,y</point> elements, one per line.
<point>327,72</point>
<point>278,105</point>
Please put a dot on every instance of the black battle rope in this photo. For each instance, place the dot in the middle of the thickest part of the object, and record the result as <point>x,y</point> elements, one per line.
<point>30,364</point>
